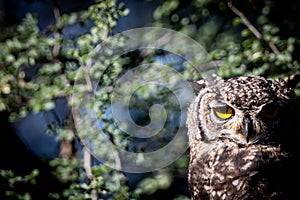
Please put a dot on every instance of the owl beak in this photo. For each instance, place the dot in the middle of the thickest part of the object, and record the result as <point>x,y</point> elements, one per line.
<point>247,131</point>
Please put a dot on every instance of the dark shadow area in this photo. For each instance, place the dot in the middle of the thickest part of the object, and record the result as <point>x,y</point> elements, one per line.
<point>15,156</point>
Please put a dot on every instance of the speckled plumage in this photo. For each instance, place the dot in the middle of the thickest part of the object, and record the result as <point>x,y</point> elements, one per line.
<point>250,155</point>
<point>252,91</point>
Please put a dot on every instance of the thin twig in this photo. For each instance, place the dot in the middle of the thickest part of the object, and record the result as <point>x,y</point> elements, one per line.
<point>255,32</point>
<point>56,12</point>
<point>87,156</point>
<point>87,163</point>
<point>57,16</point>
<point>87,77</point>
<point>66,147</point>
<point>89,64</point>
<point>245,20</point>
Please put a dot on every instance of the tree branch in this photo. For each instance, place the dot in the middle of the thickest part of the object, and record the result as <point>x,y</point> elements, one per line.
<point>57,46</point>
<point>250,26</point>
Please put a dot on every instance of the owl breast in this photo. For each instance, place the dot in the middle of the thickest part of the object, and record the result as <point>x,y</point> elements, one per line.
<point>231,172</point>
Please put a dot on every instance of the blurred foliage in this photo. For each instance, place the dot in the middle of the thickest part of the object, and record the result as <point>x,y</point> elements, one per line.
<point>39,66</point>
<point>245,43</point>
<point>13,180</point>
<point>241,37</point>
<point>36,67</point>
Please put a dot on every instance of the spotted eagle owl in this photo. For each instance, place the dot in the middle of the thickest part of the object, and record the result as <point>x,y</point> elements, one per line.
<point>242,144</point>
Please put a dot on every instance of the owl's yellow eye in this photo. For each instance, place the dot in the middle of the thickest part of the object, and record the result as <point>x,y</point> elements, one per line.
<point>223,112</point>
<point>270,112</point>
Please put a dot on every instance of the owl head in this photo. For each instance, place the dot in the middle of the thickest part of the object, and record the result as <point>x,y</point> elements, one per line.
<point>245,110</point>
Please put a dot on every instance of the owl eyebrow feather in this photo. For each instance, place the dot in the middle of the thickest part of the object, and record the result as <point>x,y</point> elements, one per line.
<point>266,104</point>
<point>217,103</point>
<point>219,98</point>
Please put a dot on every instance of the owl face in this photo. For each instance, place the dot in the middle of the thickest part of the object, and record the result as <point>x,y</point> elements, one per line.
<point>245,110</point>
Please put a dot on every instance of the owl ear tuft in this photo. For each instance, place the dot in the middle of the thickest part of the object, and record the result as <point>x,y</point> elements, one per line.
<point>198,85</point>
<point>292,80</point>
